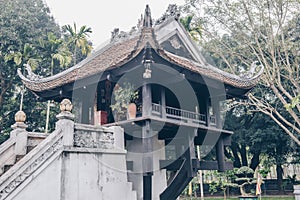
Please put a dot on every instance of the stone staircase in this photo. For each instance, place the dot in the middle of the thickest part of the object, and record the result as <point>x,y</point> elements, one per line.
<point>76,161</point>
<point>9,154</point>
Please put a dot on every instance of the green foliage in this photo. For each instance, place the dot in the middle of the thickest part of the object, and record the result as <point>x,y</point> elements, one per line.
<point>295,101</point>
<point>23,24</point>
<point>242,36</point>
<point>57,50</point>
<point>123,95</point>
<point>264,172</point>
<point>77,39</point>
<point>194,29</point>
<point>236,178</point>
<point>26,56</point>
<point>222,180</point>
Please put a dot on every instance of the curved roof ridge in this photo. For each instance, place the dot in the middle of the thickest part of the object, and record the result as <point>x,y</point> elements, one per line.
<point>74,67</point>
<point>211,71</point>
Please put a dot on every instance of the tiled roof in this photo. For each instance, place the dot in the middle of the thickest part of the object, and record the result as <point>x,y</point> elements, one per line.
<point>113,56</point>
<point>210,71</point>
<point>120,52</point>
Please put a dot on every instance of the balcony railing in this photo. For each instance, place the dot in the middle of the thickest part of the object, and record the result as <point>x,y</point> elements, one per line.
<point>167,112</point>
<point>178,114</point>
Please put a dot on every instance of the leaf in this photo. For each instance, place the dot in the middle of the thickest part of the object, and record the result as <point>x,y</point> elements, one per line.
<point>33,63</point>
<point>18,58</point>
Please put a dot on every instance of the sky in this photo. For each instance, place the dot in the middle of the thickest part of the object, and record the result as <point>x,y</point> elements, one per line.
<point>104,16</point>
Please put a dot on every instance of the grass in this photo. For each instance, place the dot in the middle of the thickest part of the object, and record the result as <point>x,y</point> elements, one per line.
<point>236,198</point>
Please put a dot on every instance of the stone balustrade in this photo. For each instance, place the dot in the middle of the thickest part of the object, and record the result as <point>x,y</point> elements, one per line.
<point>79,144</point>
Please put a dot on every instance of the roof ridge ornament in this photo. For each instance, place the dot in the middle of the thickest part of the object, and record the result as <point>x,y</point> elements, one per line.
<point>147,17</point>
<point>172,11</point>
<point>118,36</point>
<point>30,74</point>
<point>252,73</point>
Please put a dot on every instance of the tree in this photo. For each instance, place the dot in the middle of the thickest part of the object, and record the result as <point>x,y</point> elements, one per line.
<point>244,176</point>
<point>253,33</point>
<point>193,30</point>
<point>222,180</point>
<point>78,39</point>
<point>57,50</point>
<point>22,23</point>
<point>26,56</point>
<point>257,137</point>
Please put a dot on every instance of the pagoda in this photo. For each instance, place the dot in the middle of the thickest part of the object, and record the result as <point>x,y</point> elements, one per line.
<point>178,99</point>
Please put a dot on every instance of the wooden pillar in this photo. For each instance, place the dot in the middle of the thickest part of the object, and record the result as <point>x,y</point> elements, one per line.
<point>147,162</point>
<point>85,114</point>
<point>147,187</point>
<point>220,154</point>
<point>163,103</point>
<point>87,98</point>
<point>220,144</point>
<point>147,142</point>
<point>217,113</point>
<point>207,112</point>
<point>147,100</point>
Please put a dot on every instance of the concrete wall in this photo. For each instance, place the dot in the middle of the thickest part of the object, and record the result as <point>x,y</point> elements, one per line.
<point>42,184</point>
<point>159,180</point>
<point>79,174</point>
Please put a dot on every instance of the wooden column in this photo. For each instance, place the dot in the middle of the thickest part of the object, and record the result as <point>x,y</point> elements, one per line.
<point>147,142</point>
<point>147,187</point>
<point>163,103</point>
<point>217,113</point>
<point>87,98</point>
<point>85,114</point>
<point>220,154</point>
<point>220,144</point>
<point>147,100</point>
<point>207,112</point>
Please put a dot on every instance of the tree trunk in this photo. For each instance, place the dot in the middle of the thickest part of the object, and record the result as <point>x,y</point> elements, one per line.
<point>243,152</point>
<point>255,160</point>
<point>237,160</point>
<point>279,172</point>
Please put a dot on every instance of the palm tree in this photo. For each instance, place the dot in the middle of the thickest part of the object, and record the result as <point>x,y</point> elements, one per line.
<point>25,57</point>
<point>78,39</point>
<point>58,51</point>
<point>193,29</point>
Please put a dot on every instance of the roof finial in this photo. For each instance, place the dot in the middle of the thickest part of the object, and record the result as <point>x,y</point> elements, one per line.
<point>147,17</point>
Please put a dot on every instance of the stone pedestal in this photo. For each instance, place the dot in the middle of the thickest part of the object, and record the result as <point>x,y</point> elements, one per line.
<point>20,133</point>
<point>65,122</point>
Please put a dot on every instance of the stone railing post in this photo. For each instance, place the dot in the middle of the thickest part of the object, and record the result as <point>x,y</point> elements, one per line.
<point>118,136</point>
<point>20,133</point>
<point>66,122</point>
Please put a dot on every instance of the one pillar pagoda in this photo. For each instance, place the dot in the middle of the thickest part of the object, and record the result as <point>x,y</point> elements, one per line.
<point>177,96</point>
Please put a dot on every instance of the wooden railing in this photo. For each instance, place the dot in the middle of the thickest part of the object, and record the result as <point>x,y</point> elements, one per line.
<point>179,114</point>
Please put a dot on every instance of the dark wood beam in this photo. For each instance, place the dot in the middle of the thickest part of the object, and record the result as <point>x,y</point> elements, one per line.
<point>170,165</point>
<point>220,155</point>
<point>147,187</point>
